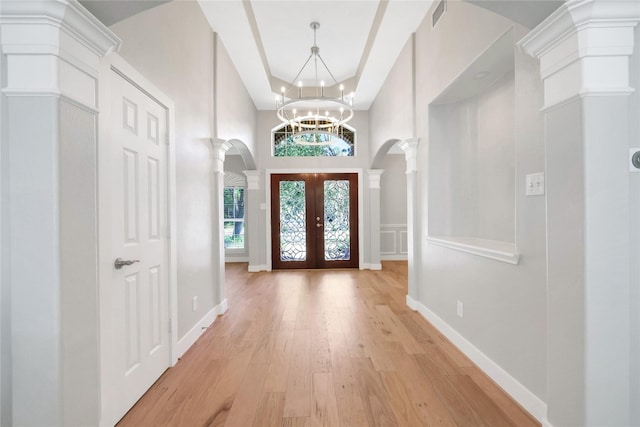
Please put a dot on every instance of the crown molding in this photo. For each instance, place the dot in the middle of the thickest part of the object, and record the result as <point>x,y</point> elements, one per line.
<point>575,15</point>
<point>67,15</point>
<point>584,49</point>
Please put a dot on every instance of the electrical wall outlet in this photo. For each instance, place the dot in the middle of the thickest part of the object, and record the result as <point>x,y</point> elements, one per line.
<point>535,184</point>
<point>194,303</point>
<point>460,309</point>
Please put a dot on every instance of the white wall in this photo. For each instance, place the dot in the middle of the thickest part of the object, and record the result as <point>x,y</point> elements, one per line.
<point>173,46</point>
<point>634,253</point>
<point>393,208</point>
<point>5,384</point>
<point>393,105</point>
<point>471,165</point>
<point>504,305</point>
<point>235,113</point>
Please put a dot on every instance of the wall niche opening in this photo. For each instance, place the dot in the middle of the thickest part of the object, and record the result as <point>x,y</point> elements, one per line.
<point>472,153</point>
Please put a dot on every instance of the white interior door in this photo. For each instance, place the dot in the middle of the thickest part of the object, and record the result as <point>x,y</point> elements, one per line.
<point>139,299</point>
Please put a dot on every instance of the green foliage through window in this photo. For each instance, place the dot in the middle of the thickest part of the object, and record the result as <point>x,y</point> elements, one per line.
<point>234,217</point>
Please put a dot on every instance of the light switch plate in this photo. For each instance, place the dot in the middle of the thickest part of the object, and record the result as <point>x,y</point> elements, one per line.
<point>535,184</point>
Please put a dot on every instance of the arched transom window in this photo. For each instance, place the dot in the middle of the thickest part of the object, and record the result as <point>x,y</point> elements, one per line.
<point>340,142</point>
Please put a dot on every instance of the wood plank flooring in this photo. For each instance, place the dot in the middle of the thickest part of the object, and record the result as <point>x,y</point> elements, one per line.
<point>323,348</point>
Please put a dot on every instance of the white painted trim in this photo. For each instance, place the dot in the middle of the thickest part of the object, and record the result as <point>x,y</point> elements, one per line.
<point>198,329</point>
<point>480,247</point>
<point>406,240</point>
<point>257,268</point>
<point>545,422</point>
<point>411,303</point>
<point>529,401</point>
<point>393,225</point>
<point>374,178</point>
<point>373,266</point>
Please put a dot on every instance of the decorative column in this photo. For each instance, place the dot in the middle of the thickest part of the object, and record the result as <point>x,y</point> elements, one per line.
<point>374,218</point>
<point>410,148</point>
<point>51,50</point>
<point>252,219</point>
<point>584,50</point>
<point>219,151</point>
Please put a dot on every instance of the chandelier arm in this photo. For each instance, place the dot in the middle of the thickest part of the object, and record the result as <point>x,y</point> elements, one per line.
<point>327,68</point>
<point>293,82</point>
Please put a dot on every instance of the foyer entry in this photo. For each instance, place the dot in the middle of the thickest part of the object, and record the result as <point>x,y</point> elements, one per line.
<point>314,220</point>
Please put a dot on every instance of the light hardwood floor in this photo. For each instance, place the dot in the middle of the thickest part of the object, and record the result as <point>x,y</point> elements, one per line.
<point>323,348</point>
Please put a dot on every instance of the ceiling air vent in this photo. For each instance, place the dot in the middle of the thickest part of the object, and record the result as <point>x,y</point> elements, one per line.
<point>440,9</point>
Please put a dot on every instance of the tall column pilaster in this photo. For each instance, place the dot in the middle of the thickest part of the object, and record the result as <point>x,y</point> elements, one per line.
<point>218,154</point>
<point>252,218</point>
<point>410,148</point>
<point>584,49</point>
<point>374,218</point>
<point>52,51</point>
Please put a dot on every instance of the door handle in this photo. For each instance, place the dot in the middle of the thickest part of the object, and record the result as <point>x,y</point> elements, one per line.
<point>119,262</point>
<point>319,225</point>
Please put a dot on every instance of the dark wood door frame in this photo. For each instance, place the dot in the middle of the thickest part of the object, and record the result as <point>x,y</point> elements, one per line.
<point>314,206</point>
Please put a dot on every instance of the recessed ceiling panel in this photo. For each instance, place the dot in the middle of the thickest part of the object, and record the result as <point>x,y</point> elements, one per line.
<point>287,37</point>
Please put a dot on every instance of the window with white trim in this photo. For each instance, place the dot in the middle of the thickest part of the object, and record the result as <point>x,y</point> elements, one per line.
<point>234,217</point>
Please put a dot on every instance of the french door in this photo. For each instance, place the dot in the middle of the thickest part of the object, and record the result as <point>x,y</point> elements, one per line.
<point>314,220</point>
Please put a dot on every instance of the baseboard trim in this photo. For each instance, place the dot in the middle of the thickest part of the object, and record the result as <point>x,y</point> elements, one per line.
<point>369,266</point>
<point>257,268</point>
<point>198,329</point>
<point>529,401</point>
<point>411,303</point>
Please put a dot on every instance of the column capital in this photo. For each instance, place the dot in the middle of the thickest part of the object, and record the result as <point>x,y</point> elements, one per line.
<point>253,179</point>
<point>219,152</point>
<point>53,48</point>
<point>374,178</point>
<point>410,148</point>
<point>584,48</point>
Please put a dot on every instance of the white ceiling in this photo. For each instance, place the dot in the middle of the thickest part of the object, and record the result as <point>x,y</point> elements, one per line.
<point>269,41</point>
<point>359,40</point>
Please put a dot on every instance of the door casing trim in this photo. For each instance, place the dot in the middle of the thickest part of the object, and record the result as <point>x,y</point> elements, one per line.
<point>358,171</point>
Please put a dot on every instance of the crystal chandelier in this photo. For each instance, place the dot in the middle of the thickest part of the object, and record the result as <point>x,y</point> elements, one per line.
<point>317,119</point>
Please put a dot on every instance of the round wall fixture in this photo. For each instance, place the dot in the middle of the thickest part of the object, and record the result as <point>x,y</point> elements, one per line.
<point>635,159</point>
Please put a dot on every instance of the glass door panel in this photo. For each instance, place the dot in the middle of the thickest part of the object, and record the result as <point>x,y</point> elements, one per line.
<point>336,221</point>
<point>293,221</point>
